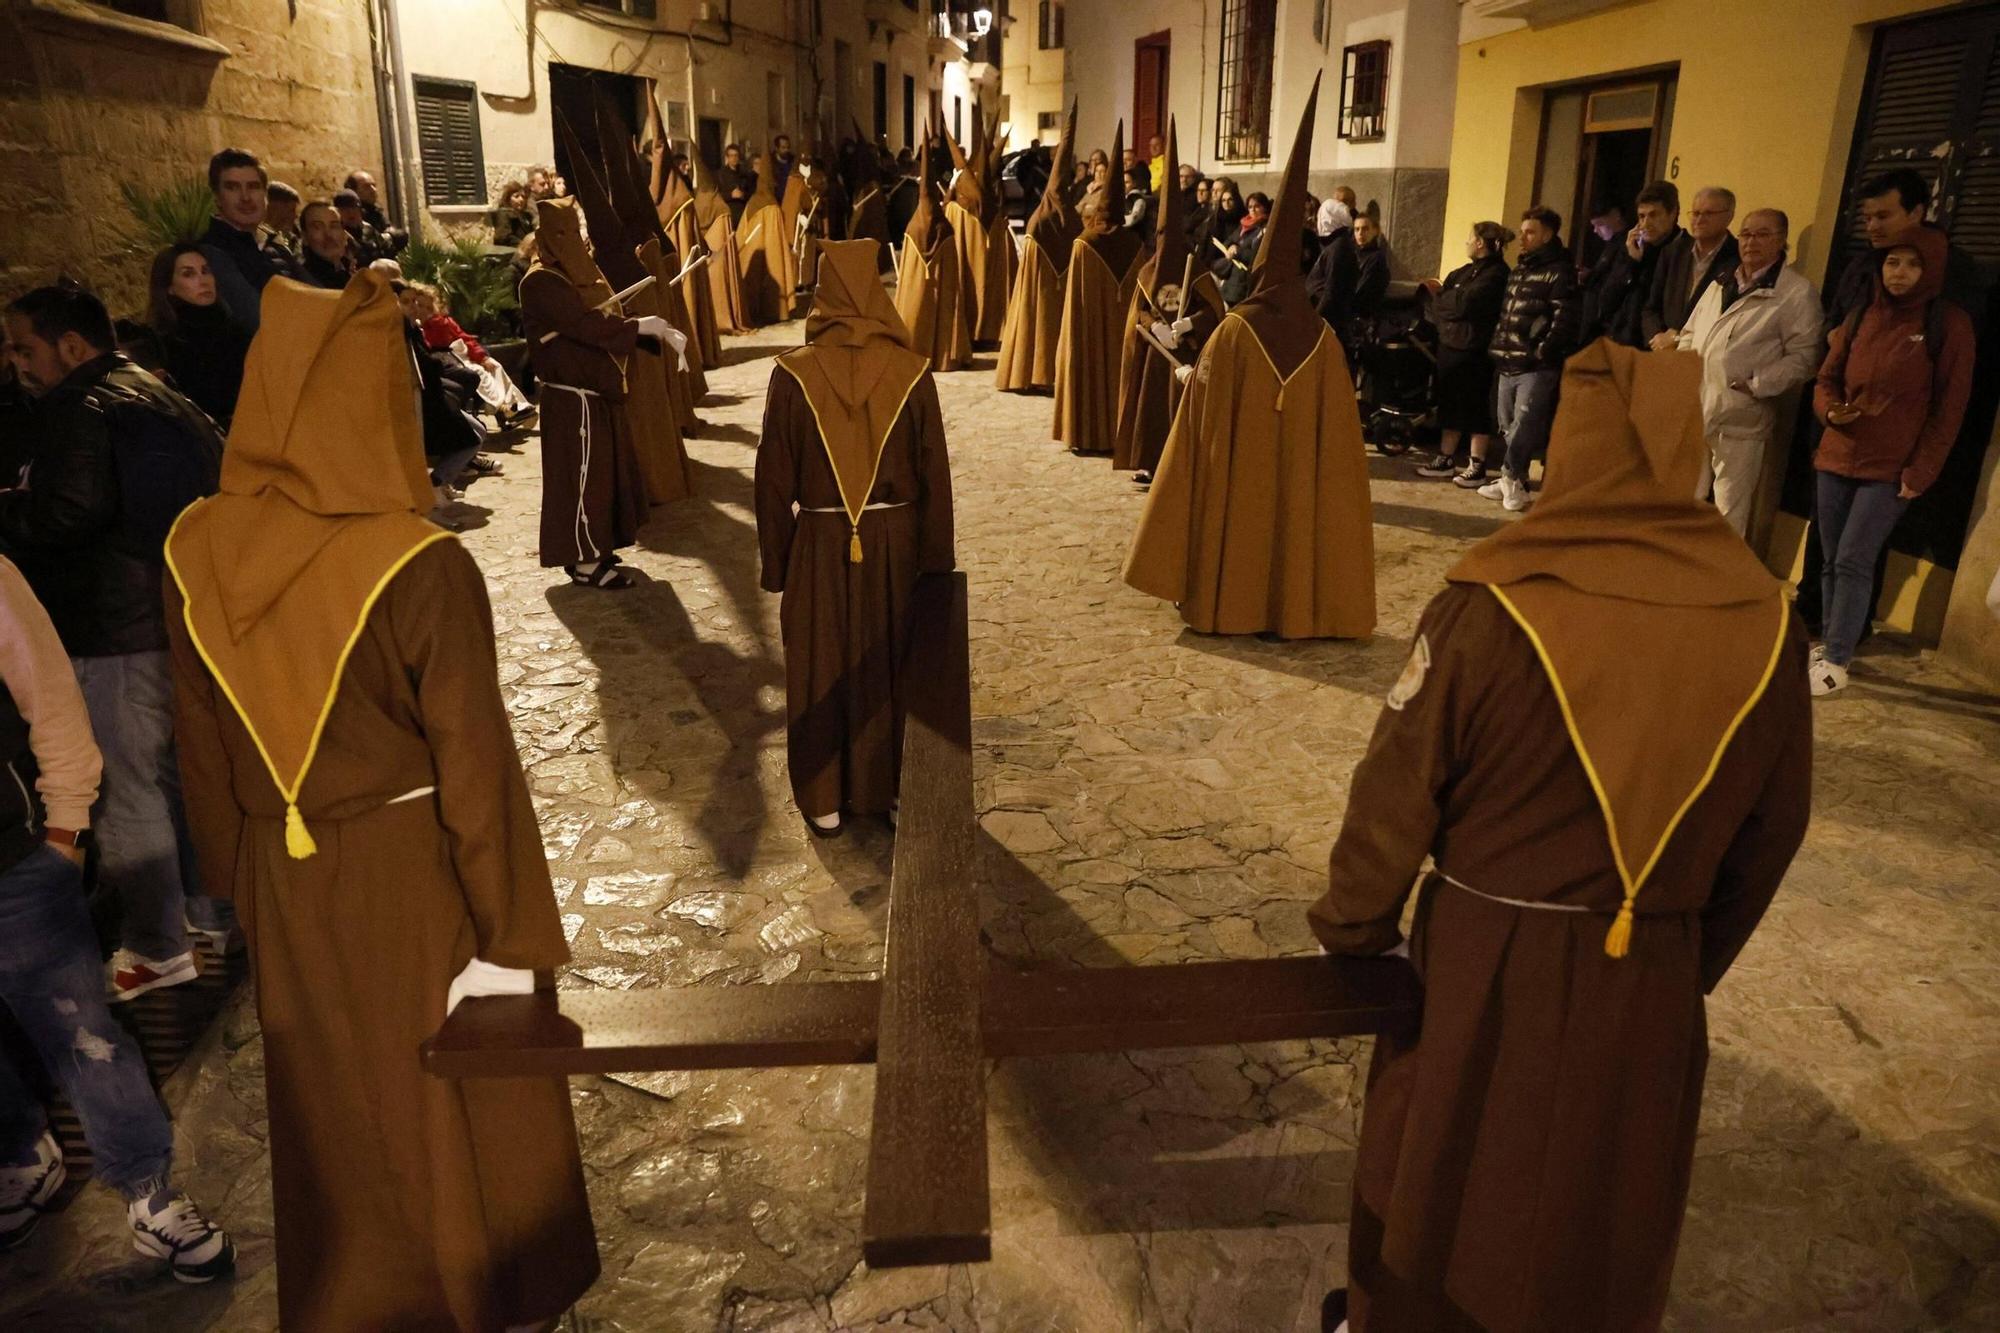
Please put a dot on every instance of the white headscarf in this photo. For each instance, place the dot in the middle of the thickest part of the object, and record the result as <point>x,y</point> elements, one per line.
<point>1333,215</point>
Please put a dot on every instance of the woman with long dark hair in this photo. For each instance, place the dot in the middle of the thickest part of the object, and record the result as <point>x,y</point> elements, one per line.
<point>201,348</point>
<point>1466,309</point>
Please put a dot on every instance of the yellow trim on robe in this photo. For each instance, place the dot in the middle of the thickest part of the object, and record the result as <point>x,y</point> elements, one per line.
<point>853,512</point>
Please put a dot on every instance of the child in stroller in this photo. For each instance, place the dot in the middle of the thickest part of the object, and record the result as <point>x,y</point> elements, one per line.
<point>1395,360</point>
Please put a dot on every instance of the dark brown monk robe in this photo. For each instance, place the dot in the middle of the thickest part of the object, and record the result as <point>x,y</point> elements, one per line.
<point>1035,307</point>
<point>929,300</point>
<point>980,234</point>
<point>853,503</point>
<point>1170,289</point>
<point>673,204</point>
<point>352,785</point>
<point>1103,269</point>
<point>593,484</point>
<point>764,254</point>
<point>1607,828</point>
<point>686,383</point>
<point>1259,517</point>
<point>715,227</point>
<point>649,398</point>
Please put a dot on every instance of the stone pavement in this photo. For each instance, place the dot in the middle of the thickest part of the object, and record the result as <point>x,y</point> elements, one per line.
<point>1146,795</point>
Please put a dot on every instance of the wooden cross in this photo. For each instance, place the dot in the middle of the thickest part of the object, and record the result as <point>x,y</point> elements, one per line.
<point>939,1011</point>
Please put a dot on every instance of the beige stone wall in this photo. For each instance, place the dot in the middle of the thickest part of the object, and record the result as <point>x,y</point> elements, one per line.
<point>84,106</point>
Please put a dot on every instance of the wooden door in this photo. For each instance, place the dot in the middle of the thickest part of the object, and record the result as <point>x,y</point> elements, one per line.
<point>1149,88</point>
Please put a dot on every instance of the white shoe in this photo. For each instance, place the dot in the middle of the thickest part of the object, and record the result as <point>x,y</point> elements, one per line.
<point>128,975</point>
<point>1514,497</point>
<point>1493,489</point>
<point>174,1229</point>
<point>26,1190</point>
<point>1827,677</point>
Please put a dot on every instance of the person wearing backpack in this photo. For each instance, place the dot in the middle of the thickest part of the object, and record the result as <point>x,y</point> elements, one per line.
<point>1891,394</point>
<point>114,457</point>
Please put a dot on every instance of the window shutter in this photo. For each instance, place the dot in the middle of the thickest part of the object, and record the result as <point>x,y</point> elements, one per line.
<point>448,142</point>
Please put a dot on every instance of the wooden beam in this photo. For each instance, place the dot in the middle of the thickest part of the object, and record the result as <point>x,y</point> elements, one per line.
<point>927,1189</point>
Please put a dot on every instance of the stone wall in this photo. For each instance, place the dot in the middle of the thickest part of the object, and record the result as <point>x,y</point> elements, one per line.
<point>89,100</point>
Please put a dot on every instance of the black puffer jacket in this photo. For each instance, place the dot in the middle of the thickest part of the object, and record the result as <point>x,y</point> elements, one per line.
<point>68,526</point>
<point>1539,316</point>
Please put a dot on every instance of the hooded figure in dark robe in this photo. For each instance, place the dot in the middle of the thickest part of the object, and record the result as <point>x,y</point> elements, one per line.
<point>1259,518</point>
<point>1103,268</point>
<point>1605,830</point>
<point>716,226</point>
<point>929,299</point>
<point>853,504</point>
<point>980,234</point>
<point>1035,307</point>
<point>615,243</point>
<point>352,784</point>
<point>594,486</point>
<point>764,253</point>
<point>674,205</point>
<point>868,214</point>
<point>1176,306</point>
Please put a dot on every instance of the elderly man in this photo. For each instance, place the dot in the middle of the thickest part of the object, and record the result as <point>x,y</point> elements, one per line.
<point>1697,257</point>
<point>1757,328</point>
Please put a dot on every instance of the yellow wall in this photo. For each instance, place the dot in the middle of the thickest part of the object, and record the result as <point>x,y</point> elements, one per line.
<point>1766,105</point>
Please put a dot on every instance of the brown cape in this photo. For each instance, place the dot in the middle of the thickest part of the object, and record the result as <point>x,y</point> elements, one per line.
<point>929,298</point>
<point>1102,271</point>
<point>764,257</point>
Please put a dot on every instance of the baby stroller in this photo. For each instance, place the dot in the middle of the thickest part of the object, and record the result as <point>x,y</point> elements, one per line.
<point>1396,381</point>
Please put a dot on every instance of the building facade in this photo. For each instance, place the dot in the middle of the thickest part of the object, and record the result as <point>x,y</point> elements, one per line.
<point>1790,103</point>
<point>1234,76</point>
<point>98,96</point>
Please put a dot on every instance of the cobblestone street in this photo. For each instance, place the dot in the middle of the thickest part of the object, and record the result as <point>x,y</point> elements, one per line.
<point>1146,795</point>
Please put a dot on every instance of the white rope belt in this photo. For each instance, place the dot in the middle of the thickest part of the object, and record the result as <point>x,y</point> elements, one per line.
<point>1520,902</point>
<point>412,795</point>
<point>585,542</point>
<point>576,389</point>
<point>839,509</point>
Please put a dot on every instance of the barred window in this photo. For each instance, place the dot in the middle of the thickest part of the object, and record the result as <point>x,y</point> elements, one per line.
<point>1243,107</point>
<point>1050,35</point>
<point>1364,92</point>
<point>448,141</point>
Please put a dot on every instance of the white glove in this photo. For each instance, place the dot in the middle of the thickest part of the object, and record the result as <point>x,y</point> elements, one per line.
<point>482,978</point>
<point>1183,373</point>
<point>677,340</point>
<point>652,326</point>
<point>1182,326</point>
<point>1165,332</point>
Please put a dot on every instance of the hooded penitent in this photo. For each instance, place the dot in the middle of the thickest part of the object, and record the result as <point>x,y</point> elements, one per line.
<point>1259,516</point>
<point>279,571</point>
<point>981,237</point>
<point>1103,268</point>
<point>930,296</point>
<point>716,229</point>
<point>1032,332</point>
<point>764,253</point>
<point>657,253</point>
<point>1618,551</point>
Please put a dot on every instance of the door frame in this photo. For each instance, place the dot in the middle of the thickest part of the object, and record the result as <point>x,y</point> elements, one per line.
<point>1163,42</point>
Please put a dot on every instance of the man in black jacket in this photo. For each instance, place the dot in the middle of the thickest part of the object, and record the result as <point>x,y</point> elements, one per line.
<point>735,183</point>
<point>114,455</point>
<point>1620,299</point>
<point>234,245</point>
<point>1701,254</point>
<point>1536,333</point>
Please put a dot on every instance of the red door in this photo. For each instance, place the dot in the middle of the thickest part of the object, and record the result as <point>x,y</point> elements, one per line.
<point>1149,89</point>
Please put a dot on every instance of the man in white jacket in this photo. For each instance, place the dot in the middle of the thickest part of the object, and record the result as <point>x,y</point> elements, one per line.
<point>1758,331</point>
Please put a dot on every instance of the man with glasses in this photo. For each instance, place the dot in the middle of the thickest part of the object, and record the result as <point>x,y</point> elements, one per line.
<point>1694,259</point>
<point>1757,327</point>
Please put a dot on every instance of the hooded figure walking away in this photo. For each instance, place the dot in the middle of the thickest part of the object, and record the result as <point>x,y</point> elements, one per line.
<point>1103,269</point>
<point>929,299</point>
<point>674,204</point>
<point>764,253</point>
<point>868,218</point>
<point>593,484</point>
<point>853,504</point>
<point>352,783</point>
<point>715,225</point>
<point>1525,1156</point>
<point>985,243</point>
<point>1176,299</point>
<point>1258,520</point>
<point>1035,307</point>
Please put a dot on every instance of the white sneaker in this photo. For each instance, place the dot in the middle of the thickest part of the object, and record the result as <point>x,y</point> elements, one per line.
<point>128,976</point>
<point>1493,489</point>
<point>26,1190</point>
<point>174,1229</point>
<point>1827,677</point>
<point>1514,497</point>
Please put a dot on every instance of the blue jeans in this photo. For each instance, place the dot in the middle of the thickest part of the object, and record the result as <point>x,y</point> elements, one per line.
<point>1526,408</point>
<point>145,859</point>
<point>51,979</point>
<point>1855,519</point>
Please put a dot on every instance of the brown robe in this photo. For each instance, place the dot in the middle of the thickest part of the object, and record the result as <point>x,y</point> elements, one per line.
<point>844,623</point>
<point>1524,1161</point>
<point>1149,393</point>
<point>698,291</point>
<point>765,260</point>
<point>868,220</point>
<point>1029,338</point>
<point>725,266</point>
<point>931,303</point>
<point>1102,271</point>
<point>1259,517</point>
<point>986,268</point>
<point>400,1200</point>
<point>593,484</point>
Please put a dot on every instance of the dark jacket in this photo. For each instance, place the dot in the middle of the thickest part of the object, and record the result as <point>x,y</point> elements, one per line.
<point>1238,275</point>
<point>68,528</point>
<point>1670,303</point>
<point>510,226</point>
<point>242,265</point>
<point>1139,214</point>
<point>1539,313</point>
<point>1466,308</point>
<point>323,272</point>
<point>728,179</point>
<point>1371,279</point>
<point>1330,285</point>
<point>1856,288</point>
<point>1620,304</point>
<point>444,388</point>
<point>203,357</point>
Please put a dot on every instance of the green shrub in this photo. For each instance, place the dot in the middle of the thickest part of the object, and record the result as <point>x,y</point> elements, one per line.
<point>480,288</point>
<point>168,215</point>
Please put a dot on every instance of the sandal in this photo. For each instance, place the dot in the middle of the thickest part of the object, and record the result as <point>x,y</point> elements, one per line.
<point>607,575</point>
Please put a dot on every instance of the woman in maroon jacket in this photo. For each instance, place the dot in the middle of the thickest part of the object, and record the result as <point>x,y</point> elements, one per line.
<point>1892,404</point>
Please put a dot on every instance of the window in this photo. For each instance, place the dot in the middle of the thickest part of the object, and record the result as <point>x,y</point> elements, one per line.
<point>1364,92</point>
<point>638,9</point>
<point>448,142</point>
<point>1048,126</point>
<point>1243,107</point>
<point>1050,36</point>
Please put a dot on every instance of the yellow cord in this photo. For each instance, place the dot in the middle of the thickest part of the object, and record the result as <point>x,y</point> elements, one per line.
<point>298,842</point>
<point>854,546</point>
<point>1618,941</point>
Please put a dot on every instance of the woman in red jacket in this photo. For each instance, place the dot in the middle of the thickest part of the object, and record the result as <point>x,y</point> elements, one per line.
<point>1892,404</point>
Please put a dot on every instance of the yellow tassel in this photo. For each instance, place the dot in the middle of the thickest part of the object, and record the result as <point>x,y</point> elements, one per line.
<point>1618,941</point>
<point>297,841</point>
<point>854,546</point>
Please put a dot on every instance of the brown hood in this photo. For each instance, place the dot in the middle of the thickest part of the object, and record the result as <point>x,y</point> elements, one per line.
<point>1170,252</point>
<point>1613,575</point>
<point>1054,226</point>
<point>627,187</point>
<point>279,571</point>
<point>559,245</point>
<point>927,224</point>
<point>1277,308</point>
<point>967,189</point>
<point>675,192</point>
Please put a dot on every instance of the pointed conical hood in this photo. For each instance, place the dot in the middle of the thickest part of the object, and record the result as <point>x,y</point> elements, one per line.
<point>966,188</point>
<point>629,197</point>
<point>1171,253</point>
<point>1277,309</point>
<point>1055,225</point>
<point>1110,192</point>
<point>600,217</point>
<point>671,192</point>
<point>927,221</point>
